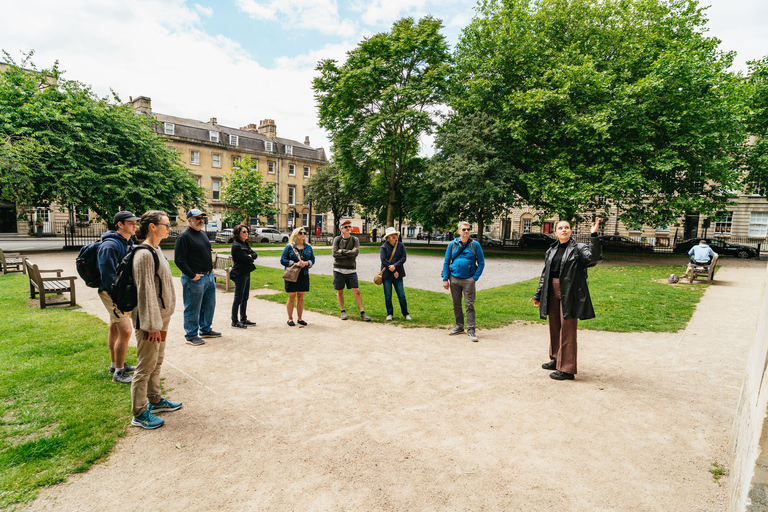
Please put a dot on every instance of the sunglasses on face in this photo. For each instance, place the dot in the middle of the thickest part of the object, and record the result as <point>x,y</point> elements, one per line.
<point>465,229</point>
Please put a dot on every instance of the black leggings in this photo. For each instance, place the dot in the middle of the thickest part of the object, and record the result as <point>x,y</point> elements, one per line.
<point>242,287</point>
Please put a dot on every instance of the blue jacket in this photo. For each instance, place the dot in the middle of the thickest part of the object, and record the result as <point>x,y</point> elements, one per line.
<point>465,263</point>
<point>398,260</point>
<point>112,250</point>
<point>289,256</point>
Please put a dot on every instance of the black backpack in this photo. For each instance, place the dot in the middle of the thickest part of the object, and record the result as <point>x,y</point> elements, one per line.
<point>124,293</point>
<point>88,265</point>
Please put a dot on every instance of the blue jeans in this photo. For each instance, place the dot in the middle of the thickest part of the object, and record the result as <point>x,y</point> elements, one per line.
<point>242,287</point>
<point>199,304</point>
<point>398,283</point>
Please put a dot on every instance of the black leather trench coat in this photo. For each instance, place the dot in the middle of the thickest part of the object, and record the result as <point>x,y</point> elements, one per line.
<point>573,279</point>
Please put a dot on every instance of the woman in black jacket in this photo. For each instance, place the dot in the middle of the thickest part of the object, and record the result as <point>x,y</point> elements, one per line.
<point>242,258</point>
<point>393,272</point>
<point>563,295</point>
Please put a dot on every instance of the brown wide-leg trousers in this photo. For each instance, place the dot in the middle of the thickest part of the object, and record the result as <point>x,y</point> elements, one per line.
<point>562,332</point>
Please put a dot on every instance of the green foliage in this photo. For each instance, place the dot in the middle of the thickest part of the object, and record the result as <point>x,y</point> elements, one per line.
<point>60,143</point>
<point>59,410</point>
<point>246,191</point>
<point>471,175</point>
<point>327,193</point>
<point>756,152</point>
<point>626,100</point>
<point>380,101</point>
<point>718,471</point>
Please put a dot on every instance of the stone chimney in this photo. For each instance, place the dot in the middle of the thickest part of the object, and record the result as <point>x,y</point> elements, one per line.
<point>250,128</point>
<point>306,140</point>
<point>213,120</point>
<point>268,127</point>
<point>142,104</point>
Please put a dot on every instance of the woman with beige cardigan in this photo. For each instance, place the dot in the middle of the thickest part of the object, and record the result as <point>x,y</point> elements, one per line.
<point>156,304</point>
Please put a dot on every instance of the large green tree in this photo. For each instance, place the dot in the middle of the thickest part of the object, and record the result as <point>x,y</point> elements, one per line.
<point>624,101</point>
<point>328,194</point>
<point>756,151</point>
<point>60,143</point>
<point>471,174</point>
<point>379,103</point>
<point>247,193</point>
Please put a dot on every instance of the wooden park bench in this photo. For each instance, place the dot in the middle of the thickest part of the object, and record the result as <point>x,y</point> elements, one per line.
<point>49,285</point>
<point>699,270</point>
<point>11,262</point>
<point>222,265</point>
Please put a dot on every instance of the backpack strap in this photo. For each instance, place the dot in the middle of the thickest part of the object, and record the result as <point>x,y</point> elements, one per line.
<point>453,244</point>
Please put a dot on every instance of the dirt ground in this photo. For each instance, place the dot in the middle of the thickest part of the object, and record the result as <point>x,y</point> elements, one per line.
<point>357,416</point>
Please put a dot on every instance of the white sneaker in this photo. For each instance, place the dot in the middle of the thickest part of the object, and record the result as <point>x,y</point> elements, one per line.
<point>389,318</point>
<point>408,317</point>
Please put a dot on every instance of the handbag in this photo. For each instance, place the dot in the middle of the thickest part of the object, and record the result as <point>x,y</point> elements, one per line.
<point>378,279</point>
<point>291,273</point>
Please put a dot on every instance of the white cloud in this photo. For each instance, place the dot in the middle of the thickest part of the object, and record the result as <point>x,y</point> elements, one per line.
<point>205,11</point>
<point>156,48</point>
<point>320,15</point>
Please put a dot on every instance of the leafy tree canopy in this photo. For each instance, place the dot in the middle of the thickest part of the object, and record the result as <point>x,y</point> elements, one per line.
<point>328,194</point>
<point>380,101</point>
<point>756,151</point>
<point>624,101</point>
<point>60,143</point>
<point>247,193</point>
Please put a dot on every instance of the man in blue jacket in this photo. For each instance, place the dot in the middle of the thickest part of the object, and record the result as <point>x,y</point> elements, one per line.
<point>463,266</point>
<point>115,244</point>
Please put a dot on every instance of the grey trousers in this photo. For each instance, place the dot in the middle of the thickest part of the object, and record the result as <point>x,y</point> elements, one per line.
<point>467,287</point>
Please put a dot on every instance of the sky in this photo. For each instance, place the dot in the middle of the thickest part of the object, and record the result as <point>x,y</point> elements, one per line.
<point>242,61</point>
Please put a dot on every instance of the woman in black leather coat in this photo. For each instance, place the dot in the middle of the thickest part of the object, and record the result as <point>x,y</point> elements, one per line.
<point>242,259</point>
<point>564,297</point>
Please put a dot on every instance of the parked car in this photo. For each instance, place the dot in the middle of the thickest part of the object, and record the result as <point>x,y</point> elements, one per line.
<point>268,235</point>
<point>623,244</point>
<point>224,236</point>
<point>719,246</point>
<point>536,241</point>
<point>488,240</point>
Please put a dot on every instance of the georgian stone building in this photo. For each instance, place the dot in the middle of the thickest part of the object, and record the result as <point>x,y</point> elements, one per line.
<point>210,150</point>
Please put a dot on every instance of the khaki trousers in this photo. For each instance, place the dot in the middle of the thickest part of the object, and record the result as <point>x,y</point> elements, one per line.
<point>146,377</point>
<point>562,332</point>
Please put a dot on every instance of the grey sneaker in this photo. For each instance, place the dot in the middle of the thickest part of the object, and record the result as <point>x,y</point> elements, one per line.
<point>471,334</point>
<point>390,318</point>
<point>128,368</point>
<point>195,341</point>
<point>344,315</point>
<point>210,334</point>
<point>456,330</point>
<point>122,377</point>
<point>365,316</point>
<point>164,406</point>
<point>408,317</point>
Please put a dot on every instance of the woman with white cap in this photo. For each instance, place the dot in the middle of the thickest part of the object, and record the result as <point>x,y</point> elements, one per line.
<point>393,258</point>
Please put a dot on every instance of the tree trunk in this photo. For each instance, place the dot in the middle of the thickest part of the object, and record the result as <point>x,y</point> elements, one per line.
<point>391,201</point>
<point>480,226</point>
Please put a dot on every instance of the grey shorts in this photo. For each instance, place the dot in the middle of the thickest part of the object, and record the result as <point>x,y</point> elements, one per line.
<point>350,280</point>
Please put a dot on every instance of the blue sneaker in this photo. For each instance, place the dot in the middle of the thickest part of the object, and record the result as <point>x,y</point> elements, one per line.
<point>164,406</point>
<point>147,420</point>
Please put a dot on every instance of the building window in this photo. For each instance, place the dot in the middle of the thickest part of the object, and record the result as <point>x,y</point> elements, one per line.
<point>234,140</point>
<point>213,136</point>
<point>170,128</point>
<point>662,228</point>
<point>698,183</point>
<point>348,212</point>
<point>758,224</point>
<point>197,180</point>
<point>723,226</point>
<point>216,160</point>
<point>268,145</point>
<point>306,171</point>
<point>216,190</point>
<point>758,189</point>
<point>291,170</point>
<point>292,195</point>
<point>235,161</point>
<point>82,214</point>
<point>271,167</point>
<point>305,220</point>
<point>194,158</point>
<point>274,195</point>
<point>288,150</point>
<point>526,225</point>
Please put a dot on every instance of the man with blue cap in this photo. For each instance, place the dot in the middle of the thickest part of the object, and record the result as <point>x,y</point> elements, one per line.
<point>193,257</point>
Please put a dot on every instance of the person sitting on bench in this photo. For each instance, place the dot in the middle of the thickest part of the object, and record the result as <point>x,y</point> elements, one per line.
<point>701,254</point>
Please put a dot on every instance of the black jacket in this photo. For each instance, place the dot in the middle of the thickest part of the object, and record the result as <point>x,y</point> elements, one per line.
<point>573,279</point>
<point>242,259</point>
<point>398,260</point>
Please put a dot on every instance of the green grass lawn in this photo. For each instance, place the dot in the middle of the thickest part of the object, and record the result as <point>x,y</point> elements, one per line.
<point>59,410</point>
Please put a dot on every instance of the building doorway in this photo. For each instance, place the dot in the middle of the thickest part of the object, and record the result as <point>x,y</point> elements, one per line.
<point>691,227</point>
<point>8,218</point>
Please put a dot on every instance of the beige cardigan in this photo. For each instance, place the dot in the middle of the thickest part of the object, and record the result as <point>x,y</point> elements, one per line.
<point>152,315</point>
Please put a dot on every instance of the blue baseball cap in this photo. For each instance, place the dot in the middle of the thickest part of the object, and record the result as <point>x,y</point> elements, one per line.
<point>194,212</point>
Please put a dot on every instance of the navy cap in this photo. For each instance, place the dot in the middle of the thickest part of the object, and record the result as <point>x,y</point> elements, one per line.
<point>123,217</point>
